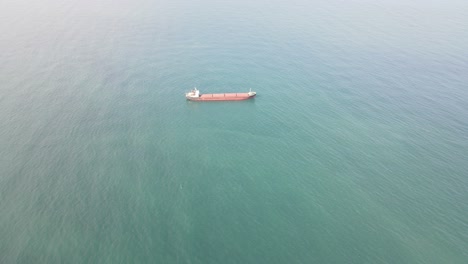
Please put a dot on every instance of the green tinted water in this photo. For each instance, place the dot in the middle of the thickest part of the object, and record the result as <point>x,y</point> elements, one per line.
<point>354,151</point>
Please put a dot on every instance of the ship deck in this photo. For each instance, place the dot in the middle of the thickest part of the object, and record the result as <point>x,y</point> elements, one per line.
<point>224,95</point>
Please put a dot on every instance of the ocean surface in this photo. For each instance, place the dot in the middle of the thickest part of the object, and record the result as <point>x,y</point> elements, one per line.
<point>354,151</point>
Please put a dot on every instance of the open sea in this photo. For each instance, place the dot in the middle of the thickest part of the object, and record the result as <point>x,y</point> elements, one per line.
<point>355,149</point>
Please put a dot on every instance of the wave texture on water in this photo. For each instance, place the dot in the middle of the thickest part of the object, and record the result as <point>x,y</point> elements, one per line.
<point>353,151</point>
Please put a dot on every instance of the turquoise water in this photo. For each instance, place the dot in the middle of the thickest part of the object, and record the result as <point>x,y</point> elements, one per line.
<point>354,151</point>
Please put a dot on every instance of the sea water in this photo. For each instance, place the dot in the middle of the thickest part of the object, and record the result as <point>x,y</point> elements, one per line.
<point>354,151</point>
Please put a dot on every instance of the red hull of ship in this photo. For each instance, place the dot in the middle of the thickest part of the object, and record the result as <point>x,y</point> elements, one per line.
<point>222,97</point>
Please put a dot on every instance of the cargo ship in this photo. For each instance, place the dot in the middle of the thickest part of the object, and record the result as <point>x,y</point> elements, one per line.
<point>195,95</point>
